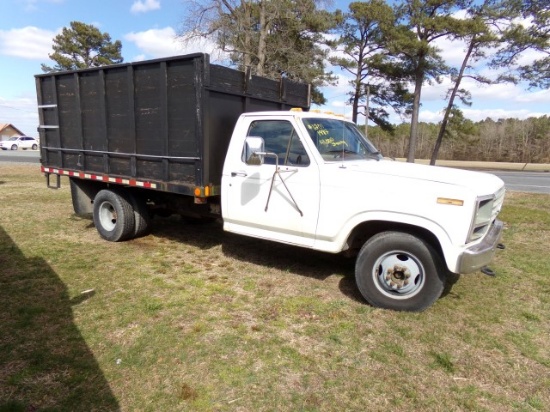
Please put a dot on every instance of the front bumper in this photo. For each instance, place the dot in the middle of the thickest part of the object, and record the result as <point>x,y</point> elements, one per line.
<point>480,255</point>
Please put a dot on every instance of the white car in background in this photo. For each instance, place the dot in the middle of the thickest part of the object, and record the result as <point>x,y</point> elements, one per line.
<point>19,142</point>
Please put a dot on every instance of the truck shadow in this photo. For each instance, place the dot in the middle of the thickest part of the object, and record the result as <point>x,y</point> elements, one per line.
<point>297,260</point>
<point>45,363</point>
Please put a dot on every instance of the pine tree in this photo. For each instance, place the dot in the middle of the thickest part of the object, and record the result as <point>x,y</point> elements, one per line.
<point>363,52</point>
<point>423,22</point>
<point>533,33</point>
<point>479,36</point>
<point>82,46</point>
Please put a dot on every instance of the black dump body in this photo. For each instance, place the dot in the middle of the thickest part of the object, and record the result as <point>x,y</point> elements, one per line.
<point>167,121</point>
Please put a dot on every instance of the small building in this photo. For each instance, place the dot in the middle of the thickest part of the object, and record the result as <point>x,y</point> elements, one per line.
<point>8,130</point>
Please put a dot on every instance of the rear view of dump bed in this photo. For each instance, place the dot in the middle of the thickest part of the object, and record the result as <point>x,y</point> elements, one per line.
<point>163,124</point>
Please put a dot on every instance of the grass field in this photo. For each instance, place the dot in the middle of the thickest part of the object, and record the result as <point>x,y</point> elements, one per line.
<point>190,318</point>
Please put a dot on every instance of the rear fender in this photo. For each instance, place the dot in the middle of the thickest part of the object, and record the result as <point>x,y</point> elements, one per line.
<point>83,193</point>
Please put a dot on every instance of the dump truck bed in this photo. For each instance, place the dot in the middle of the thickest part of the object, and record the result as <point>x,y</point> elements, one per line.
<point>165,121</point>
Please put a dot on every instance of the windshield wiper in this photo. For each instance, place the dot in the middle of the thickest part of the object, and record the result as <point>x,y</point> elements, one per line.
<point>345,151</point>
<point>371,155</point>
<point>374,155</point>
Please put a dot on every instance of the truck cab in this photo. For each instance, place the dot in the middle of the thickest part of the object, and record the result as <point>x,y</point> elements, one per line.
<point>313,180</point>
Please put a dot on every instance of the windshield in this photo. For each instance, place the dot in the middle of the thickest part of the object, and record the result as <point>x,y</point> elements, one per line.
<point>339,140</point>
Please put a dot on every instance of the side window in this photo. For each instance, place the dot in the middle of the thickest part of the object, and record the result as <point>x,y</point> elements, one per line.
<point>280,138</point>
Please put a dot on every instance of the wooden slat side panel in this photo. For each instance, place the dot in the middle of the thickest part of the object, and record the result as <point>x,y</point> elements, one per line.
<point>119,111</point>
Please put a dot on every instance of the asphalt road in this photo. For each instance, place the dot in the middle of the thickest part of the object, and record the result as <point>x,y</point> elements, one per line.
<point>21,156</point>
<point>534,182</point>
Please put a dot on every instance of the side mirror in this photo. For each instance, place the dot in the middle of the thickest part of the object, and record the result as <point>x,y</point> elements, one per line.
<point>254,149</point>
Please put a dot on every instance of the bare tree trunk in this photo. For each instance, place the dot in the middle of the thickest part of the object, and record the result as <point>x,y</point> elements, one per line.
<point>500,144</point>
<point>356,97</point>
<point>247,59</point>
<point>414,120</point>
<point>262,41</point>
<point>451,102</point>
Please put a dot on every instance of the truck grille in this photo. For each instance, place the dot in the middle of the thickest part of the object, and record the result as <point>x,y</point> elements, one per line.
<point>499,200</point>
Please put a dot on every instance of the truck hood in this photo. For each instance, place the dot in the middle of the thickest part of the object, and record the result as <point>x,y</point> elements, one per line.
<point>479,182</point>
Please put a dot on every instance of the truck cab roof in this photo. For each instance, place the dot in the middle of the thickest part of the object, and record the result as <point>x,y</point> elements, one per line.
<point>296,112</point>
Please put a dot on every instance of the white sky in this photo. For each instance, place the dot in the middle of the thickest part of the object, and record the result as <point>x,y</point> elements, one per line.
<point>147,30</point>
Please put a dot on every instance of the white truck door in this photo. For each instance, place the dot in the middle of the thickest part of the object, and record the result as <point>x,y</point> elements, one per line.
<point>276,200</point>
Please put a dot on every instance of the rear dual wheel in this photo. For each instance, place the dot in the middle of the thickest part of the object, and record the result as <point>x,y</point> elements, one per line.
<point>118,215</point>
<point>142,218</point>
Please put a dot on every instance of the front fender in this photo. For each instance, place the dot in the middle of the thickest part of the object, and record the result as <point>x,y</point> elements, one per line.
<point>339,241</point>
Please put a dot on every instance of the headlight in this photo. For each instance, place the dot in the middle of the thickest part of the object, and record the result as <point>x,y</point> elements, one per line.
<point>482,219</point>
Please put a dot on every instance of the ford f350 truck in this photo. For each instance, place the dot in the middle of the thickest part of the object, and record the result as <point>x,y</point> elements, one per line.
<point>181,135</point>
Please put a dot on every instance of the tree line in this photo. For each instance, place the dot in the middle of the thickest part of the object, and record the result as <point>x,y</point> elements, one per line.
<point>502,140</point>
<point>387,48</point>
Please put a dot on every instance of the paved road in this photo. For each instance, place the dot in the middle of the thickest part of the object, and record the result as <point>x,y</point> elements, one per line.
<point>24,156</point>
<point>534,182</point>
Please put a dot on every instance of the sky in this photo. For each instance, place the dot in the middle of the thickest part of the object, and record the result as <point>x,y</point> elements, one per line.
<point>147,30</point>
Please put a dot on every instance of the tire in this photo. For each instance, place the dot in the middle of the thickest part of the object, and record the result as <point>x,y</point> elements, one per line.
<point>142,217</point>
<point>34,146</point>
<point>399,271</point>
<point>114,215</point>
<point>13,147</point>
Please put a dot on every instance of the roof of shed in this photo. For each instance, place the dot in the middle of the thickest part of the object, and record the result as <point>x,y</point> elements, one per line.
<point>6,125</point>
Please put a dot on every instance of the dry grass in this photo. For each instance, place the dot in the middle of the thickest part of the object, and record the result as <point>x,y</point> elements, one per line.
<point>192,318</point>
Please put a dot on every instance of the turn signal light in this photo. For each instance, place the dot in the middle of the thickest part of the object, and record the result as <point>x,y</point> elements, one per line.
<point>448,201</point>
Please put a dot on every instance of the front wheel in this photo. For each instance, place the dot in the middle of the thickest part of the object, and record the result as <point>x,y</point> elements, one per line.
<point>13,147</point>
<point>113,215</point>
<point>34,146</point>
<point>399,271</point>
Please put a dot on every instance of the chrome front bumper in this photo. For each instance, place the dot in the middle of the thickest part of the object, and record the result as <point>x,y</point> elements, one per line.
<point>480,255</point>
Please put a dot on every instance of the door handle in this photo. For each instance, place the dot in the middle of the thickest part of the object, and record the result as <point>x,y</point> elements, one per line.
<point>239,173</point>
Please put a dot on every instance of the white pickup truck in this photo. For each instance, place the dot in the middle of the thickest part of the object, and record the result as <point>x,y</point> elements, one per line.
<point>314,181</point>
<point>292,176</point>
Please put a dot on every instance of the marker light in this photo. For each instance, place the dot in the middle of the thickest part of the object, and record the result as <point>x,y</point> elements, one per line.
<point>447,201</point>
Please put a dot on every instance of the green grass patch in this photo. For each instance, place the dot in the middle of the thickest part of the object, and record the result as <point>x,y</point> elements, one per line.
<point>191,318</point>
